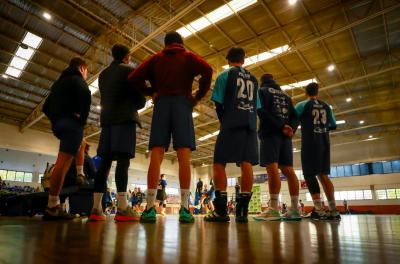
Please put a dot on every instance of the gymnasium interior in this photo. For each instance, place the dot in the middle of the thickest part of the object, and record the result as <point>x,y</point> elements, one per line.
<point>351,48</point>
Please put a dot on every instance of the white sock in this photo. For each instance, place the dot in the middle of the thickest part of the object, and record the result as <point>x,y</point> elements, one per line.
<point>274,199</point>
<point>122,201</point>
<point>317,204</point>
<point>97,201</point>
<point>79,170</point>
<point>151,197</point>
<point>295,202</point>
<point>185,198</point>
<point>332,205</point>
<point>53,201</point>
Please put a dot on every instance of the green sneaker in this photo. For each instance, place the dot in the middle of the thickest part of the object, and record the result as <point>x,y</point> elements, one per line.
<point>269,215</point>
<point>292,215</point>
<point>149,215</point>
<point>185,216</point>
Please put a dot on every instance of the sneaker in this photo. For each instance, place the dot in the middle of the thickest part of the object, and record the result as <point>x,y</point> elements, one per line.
<point>269,215</point>
<point>149,215</point>
<point>185,216</point>
<point>334,216</point>
<point>292,215</point>
<point>57,213</point>
<point>97,215</point>
<point>242,207</point>
<point>318,215</point>
<point>214,217</point>
<point>129,214</point>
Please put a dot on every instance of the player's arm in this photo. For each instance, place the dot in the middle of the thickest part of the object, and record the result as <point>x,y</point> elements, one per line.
<point>202,68</point>
<point>293,118</point>
<point>138,77</point>
<point>265,113</point>
<point>331,119</point>
<point>219,94</point>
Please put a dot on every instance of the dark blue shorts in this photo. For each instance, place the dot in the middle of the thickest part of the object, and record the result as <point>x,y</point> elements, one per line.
<point>276,149</point>
<point>172,115</point>
<point>236,146</point>
<point>70,133</point>
<point>118,141</point>
<point>316,159</point>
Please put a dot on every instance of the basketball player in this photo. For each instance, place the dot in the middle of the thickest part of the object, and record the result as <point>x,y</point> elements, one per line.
<point>236,99</point>
<point>317,120</point>
<point>278,123</point>
<point>171,73</point>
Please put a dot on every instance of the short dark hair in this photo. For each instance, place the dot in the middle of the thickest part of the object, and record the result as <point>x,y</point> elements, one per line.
<point>266,76</point>
<point>119,51</point>
<point>172,37</point>
<point>77,62</point>
<point>312,89</point>
<point>236,54</point>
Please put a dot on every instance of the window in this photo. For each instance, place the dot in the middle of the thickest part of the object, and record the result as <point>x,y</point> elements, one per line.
<point>351,195</point>
<point>377,168</point>
<point>359,195</point>
<point>19,176</point>
<point>340,171</point>
<point>356,169</point>
<point>11,175</point>
<point>231,181</point>
<point>387,167</point>
<point>172,191</point>
<point>367,194</point>
<point>348,171</point>
<point>3,174</point>
<point>391,193</point>
<point>333,172</point>
<point>396,165</point>
<point>28,177</point>
<point>364,170</point>
<point>381,194</point>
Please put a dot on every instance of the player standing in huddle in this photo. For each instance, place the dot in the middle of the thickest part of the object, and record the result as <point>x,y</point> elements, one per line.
<point>317,120</point>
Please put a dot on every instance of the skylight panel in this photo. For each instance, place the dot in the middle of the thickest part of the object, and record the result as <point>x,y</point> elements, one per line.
<point>214,16</point>
<point>148,105</point>
<point>297,84</point>
<point>18,63</point>
<point>209,136</point>
<point>341,122</point>
<point>32,40</point>
<point>25,53</point>
<point>13,72</point>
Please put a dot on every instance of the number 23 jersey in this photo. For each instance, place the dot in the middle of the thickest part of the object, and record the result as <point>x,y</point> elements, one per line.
<point>237,90</point>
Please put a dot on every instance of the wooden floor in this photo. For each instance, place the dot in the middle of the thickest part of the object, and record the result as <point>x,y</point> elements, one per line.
<point>357,239</point>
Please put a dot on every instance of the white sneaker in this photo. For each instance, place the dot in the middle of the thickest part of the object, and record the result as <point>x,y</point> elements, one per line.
<point>268,215</point>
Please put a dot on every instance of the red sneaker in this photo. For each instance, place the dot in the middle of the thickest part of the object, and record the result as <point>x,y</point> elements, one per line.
<point>97,215</point>
<point>130,214</point>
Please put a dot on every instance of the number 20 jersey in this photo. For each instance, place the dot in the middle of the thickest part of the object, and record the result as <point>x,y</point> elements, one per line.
<point>237,90</point>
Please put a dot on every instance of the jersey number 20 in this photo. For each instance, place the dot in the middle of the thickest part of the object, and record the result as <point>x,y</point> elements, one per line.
<point>245,84</point>
<point>319,116</point>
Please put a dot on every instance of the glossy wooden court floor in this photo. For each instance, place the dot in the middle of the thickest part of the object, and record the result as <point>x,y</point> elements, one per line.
<point>357,239</point>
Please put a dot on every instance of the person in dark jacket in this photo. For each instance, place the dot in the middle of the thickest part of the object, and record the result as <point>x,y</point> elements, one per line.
<point>118,118</point>
<point>67,107</point>
<point>171,73</point>
<point>278,123</point>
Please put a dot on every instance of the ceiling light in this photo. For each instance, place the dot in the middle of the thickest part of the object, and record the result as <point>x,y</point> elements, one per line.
<point>214,16</point>
<point>13,72</point>
<point>209,136</point>
<point>18,63</point>
<point>263,56</point>
<point>297,84</point>
<point>25,53</point>
<point>296,150</point>
<point>46,15</point>
<point>195,114</point>
<point>32,40</point>
<point>292,2</point>
<point>370,136</point>
<point>147,105</point>
<point>348,99</point>
<point>362,122</point>
<point>98,107</point>
<point>341,122</point>
<point>370,139</point>
<point>331,67</point>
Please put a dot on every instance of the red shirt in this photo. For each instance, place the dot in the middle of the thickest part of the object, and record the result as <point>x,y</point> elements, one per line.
<point>171,72</point>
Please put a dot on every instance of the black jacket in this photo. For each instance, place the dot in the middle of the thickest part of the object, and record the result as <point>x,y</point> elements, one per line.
<point>119,102</point>
<point>277,109</point>
<point>69,97</point>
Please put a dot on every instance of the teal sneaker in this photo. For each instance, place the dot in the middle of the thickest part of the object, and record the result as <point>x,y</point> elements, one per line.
<point>292,215</point>
<point>185,216</point>
<point>268,215</point>
<point>149,215</point>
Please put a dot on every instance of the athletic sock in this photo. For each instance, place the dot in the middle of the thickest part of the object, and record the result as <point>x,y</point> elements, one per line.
<point>274,199</point>
<point>79,170</point>
<point>317,204</point>
<point>53,201</point>
<point>332,205</point>
<point>295,202</point>
<point>122,201</point>
<point>151,197</point>
<point>97,201</point>
<point>185,198</point>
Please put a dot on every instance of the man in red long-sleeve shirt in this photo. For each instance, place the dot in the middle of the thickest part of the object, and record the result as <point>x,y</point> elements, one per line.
<point>171,73</point>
